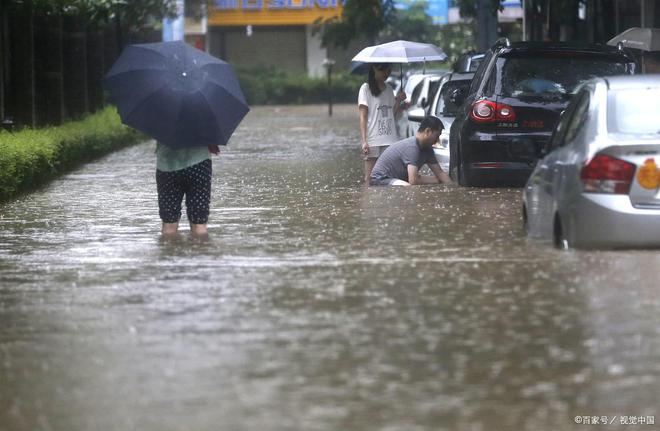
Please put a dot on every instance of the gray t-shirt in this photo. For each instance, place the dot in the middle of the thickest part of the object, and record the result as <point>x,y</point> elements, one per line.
<point>393,163</point>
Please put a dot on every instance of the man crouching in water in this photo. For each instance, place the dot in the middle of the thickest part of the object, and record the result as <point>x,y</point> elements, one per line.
<point>400,163</point>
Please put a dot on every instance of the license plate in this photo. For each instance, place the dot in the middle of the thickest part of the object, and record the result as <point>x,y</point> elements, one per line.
<point>648,175</point>
<point>533,124</point>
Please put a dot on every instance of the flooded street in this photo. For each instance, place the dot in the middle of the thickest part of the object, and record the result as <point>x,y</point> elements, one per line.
<point>316,303</point>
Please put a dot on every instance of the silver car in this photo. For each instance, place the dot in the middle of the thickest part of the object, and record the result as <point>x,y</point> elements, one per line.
<point>598,184</point>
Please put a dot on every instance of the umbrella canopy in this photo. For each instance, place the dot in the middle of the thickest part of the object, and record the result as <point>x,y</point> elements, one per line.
<point>176,94</point>
<point>645,39</point>
<point>400,51</point>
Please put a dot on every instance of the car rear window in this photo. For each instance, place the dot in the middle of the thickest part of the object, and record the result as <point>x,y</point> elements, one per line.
<point>553,73</point>
<point>634,111</point>
<point>450,97</point>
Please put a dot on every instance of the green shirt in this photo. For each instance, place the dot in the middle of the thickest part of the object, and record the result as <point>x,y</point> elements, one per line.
<point>169,159</point>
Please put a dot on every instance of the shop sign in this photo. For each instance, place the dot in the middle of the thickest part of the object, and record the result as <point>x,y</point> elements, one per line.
<point>275,4</point>
<point>272,12</point>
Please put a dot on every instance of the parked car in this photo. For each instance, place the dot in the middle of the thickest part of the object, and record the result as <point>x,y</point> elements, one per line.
<point>514,103</point>
<point>468,62</point>
<point>417,88</point>
<point>410,82</point>
<point>445,105</point>
<point>422,98</point>
<point>423,71</point>
<point>599,183</point>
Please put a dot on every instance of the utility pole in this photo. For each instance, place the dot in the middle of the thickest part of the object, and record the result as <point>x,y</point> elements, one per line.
<point>328,63</point>
<point>486,24</point>
<point>524,20</point>
<point>647,13</point>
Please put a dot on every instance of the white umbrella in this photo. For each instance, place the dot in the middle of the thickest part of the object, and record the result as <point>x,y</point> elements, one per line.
<point>645,39</point>
<point>400,51</point>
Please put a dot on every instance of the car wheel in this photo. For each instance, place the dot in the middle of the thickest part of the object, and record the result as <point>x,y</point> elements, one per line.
<point>464,176</point>
<point>460,173</point>
<point>525,220</point>
<point>452,168</point>
<point>453,160</point>
<point>559,234</point>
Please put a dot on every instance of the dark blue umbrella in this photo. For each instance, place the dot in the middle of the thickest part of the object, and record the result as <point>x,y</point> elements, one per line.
<point>359,67</point>
<point>176,94</point>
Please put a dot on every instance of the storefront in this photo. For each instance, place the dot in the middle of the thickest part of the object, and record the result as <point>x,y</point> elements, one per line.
<point>274,33</point>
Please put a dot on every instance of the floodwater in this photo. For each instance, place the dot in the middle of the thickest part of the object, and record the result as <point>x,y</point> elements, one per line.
<point>315,304</point>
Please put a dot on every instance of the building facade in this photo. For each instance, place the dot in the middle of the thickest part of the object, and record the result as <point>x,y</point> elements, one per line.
<point>254,33</point>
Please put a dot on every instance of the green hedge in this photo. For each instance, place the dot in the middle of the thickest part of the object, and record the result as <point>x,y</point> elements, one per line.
<point>32,156</point>
<point>270,86</point>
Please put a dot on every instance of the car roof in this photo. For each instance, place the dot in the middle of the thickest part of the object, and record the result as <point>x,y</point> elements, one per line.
<point>425,71</point>
<point>461,76</point>
<point>631,81</point>
<point>434,77</point>
<point>411,81</point>
<point>562,46</point>
<point>464,61</point>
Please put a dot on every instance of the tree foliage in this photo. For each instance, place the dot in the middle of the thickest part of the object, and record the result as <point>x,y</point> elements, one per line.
<point>134,13</point>
<point>360,19</point>
<point>455,39</point>
<point>410,23</point>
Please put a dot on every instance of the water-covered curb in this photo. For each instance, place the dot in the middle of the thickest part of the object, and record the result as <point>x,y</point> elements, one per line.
<point>31,157</point>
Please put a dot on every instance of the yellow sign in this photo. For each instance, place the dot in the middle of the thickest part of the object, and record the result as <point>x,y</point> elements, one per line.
<point>271,12</point>
<point>648,175</point>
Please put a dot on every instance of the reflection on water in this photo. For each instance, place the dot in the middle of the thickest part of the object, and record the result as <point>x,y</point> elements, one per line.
<point>315,304</point>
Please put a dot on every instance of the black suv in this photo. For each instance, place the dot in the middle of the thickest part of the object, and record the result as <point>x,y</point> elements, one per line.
<point>514,103</point>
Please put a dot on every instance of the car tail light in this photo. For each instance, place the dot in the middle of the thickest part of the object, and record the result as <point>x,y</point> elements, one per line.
<point>606,174</point>
<point>486,111</point>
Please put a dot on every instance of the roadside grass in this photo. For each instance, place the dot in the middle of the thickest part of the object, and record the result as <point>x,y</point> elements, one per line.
<point>31,157</point>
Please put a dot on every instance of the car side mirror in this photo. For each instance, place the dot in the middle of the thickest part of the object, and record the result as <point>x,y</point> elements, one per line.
<point>416,114</point>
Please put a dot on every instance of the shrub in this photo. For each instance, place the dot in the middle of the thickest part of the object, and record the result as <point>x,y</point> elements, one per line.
<point>32,156</point>
<point>267,85</point>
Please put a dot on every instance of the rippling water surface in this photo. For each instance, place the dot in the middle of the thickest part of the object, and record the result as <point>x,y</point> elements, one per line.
<point>316,303</point>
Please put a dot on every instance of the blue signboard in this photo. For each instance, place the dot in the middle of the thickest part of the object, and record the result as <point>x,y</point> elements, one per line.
<point>439,11</point>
